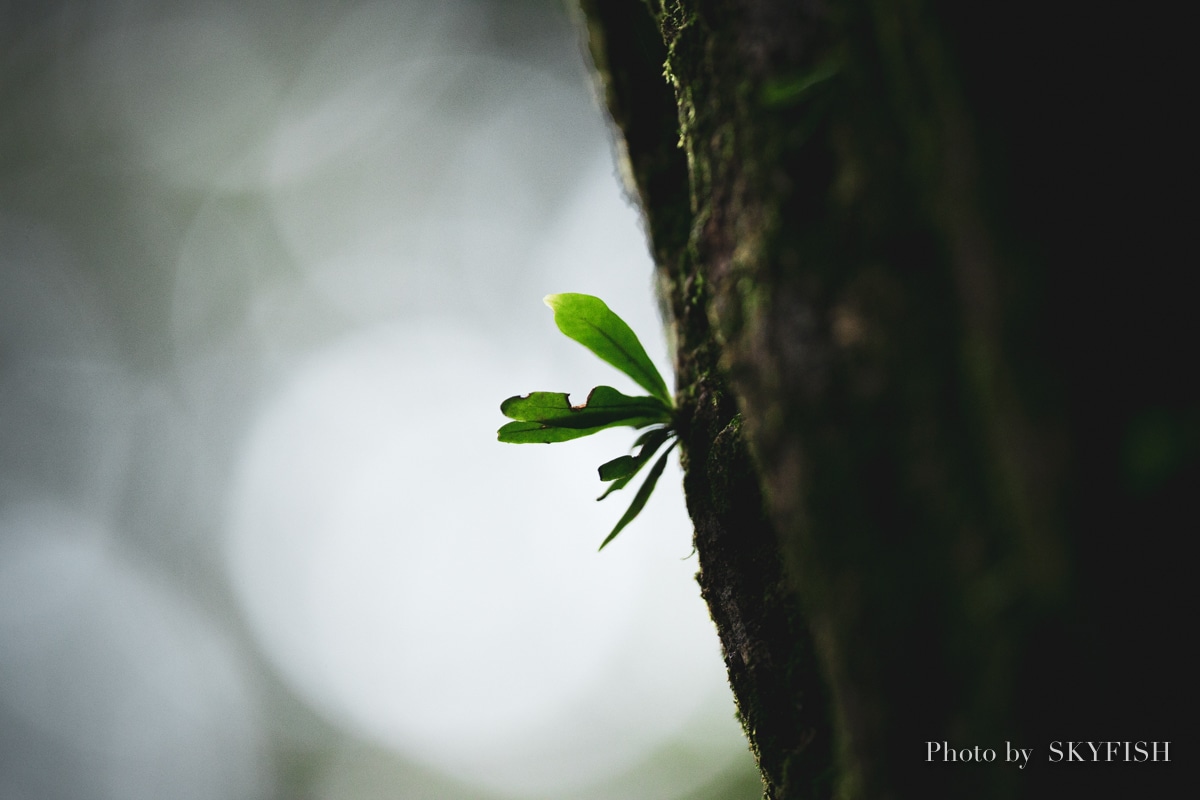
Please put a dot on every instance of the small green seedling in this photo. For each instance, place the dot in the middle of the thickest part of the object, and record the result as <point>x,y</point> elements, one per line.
<point>549,416</point>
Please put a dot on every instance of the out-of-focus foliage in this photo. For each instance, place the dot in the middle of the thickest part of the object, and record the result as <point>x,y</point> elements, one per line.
<point>242,555</point>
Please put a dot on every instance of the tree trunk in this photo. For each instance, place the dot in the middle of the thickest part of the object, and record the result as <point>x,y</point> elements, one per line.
<point>924,275</point>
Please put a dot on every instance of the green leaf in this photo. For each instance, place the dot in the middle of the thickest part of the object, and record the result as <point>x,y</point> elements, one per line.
<point>589,321</point>
<point>604,404</point>
<point>619,467</point>
<point>625,466</point>
<point>547,417</point>
<point>623,469</point>
<point>537,433</point>
<point>639,500</point>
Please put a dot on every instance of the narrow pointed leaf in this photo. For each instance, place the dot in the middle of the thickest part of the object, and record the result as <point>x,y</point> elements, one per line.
<point>589,321</point>
<point>639,500</point>
<point>616,486</point>
<point>644,436</point>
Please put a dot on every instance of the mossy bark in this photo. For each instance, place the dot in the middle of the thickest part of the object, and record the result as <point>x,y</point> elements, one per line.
<point>896,261</point>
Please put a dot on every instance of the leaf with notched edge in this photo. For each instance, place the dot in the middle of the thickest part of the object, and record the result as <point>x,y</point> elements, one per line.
<point>603,403</point>
<point>547,417</point>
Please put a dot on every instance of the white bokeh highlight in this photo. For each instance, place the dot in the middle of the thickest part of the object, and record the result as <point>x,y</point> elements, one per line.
<point>421,582</point>
<point>137,689</point>
<point>279,266</point>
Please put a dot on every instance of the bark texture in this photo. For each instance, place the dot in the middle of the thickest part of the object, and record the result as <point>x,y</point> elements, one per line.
<point>925,274</point>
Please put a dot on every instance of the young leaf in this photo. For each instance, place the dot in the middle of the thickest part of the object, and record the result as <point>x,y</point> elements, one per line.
<point>639,500</point>
<point>623,469</point>
<point>589,321</point>
<point>624,466</point>
<point>619,467</point>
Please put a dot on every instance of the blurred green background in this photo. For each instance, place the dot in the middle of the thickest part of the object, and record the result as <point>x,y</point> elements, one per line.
<point>266,272</point>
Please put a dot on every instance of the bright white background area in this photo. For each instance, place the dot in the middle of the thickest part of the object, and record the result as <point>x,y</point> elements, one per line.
<point>266,272</point>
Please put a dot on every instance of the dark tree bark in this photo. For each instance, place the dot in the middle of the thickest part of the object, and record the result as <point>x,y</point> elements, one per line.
<point>925,274</point>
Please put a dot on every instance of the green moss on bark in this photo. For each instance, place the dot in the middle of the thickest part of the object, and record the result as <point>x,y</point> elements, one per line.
<point>906,446</point>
